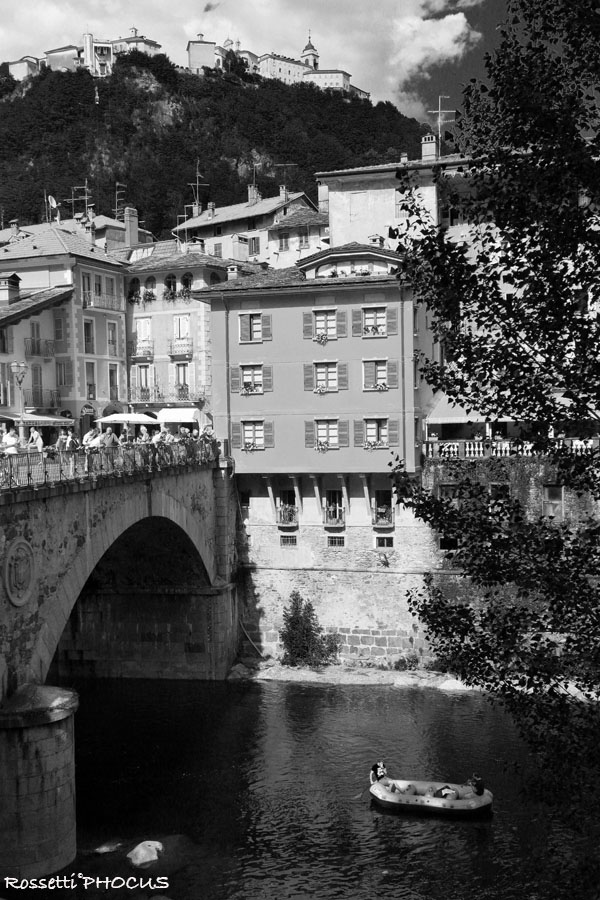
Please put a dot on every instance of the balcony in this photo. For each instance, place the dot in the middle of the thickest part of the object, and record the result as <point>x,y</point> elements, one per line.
<point>90,391</point>
<point>92,300</point>
<point>181,348</point>
<point>286,515</point>
<point>113,394</point>
<point>41,399</point>
<point>39,347</point>
<point>383,517</point>
<point>141,349</point>
<point>471,449</point>
<point>171,394</point>
<point>334,516</point>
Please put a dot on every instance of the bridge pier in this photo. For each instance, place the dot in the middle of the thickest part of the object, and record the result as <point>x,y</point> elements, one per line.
<point>37,781</point>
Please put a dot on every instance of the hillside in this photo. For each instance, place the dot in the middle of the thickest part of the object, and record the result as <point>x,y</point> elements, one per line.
<point>148,125</point>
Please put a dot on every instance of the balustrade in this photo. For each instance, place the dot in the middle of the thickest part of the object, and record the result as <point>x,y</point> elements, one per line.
<point>471,449</point>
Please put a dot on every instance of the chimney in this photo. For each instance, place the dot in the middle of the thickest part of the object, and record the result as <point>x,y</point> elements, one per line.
<point>429,147</point>
<point>130,218</point>
<point>211,210</point>
<point>14,229</point>
<point>90,232</point>
<point>200,37</point>
<point>9,289</point>
<point>232,272</point>
<point>91,211</point>
<point>283,193</point>
<point>196,209</point>
<point>376,240</point>
<point>253,194</point>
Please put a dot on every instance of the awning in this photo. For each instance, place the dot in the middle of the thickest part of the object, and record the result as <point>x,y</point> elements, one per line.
<point>180,415</point>
<point>34,419</point>
<point>125,418</point>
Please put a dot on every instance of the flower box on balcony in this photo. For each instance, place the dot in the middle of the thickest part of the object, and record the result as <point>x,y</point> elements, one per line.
<point>322,446</point>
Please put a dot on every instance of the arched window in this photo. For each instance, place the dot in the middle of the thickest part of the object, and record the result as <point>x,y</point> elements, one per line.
<point>187,281</point>
<point>134,288</point>
<point>150,283</point>
<point>170,285</point>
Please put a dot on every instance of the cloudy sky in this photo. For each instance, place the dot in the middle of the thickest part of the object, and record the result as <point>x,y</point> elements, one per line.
<point>406,51</point>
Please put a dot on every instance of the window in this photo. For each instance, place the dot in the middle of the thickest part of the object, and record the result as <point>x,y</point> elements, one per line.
<point>326,377</point>
<point>86,285</point>
<point>4,340</point>
<point>170,284</point>
<point>113,383</point>
<point>336,540</point>
<point>134,288</point>
<point>254,327</point>
<point>150,284</point>
<point>376,432</point>
<point>251,379</point>
<point>109,283</point>
<point>251,226</point>
<point>375,374</point>
<point>64,373</point>
<point>187,281</point>
<point>303,237</point>
<point>325,323</point>
<point>60,330</point>
<point>97,285</point>
<point>90,381</point>
<point>111,334</point>
<point>553,501</point>
<point>284,240</point>
<point>383,541</point>
<point>374,320</point>
<point>181,327</point>
<point>218,250</point>
<point>88,336</point>
<point>181,381</point>
<point>254,246</point>
<point>217,230</point>
<point>253,435</point>
<point>144,382</point>
<point>327,432</point>
<point>288,540</point>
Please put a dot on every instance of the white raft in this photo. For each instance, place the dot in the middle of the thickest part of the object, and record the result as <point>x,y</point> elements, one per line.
<point>418,796</point>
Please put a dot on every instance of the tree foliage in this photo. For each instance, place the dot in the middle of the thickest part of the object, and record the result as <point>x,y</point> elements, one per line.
<point>302,637</point>
<point>516,306</point>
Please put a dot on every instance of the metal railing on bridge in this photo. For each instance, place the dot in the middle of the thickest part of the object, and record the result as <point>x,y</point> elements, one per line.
<point>53,466</point>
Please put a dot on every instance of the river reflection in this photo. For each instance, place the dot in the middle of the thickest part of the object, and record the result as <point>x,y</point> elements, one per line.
<point>267,783</point>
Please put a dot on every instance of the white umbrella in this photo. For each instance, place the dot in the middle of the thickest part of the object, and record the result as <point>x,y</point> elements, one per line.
<point>127,419</point>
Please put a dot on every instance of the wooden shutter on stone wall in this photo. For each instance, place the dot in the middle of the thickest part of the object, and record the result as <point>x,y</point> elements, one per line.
<point>267,372</point>
<point>359,432</point>
<point>244,327</point>
<point>307,325</point>
<point>341,323</point>
<point>309,434</point>
<point>357,322</point>
<point>234,379</point>
<point>236,435</point>
<point>392,373</point>
<point>343,433</point>
<point>267,327</point>
<point>393,432</point>
<point>369,373</point>
<point>392,320</point>
<point>342,373</point>
<point>309,377</point>
<point>269,432</point>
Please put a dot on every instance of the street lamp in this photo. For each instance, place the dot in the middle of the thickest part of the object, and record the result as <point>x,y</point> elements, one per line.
<point>19,370</point>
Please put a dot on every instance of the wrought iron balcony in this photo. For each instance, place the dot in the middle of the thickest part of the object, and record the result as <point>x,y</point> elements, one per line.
<point>171,394</point>
<point>40,398</point>
<point>182,348</point>
<point>92,300</point>
<point>334,516</point>
<point>39,347</point>
<point>383,516</point>
<point>286,514</point>
<point>141,349</point>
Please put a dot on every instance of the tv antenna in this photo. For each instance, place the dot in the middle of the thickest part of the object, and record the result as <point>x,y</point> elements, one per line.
<point>197,184</point>
<point>285,167</point>
<point>439,112</point>
<point>75,198</point>
<point>119,201</point>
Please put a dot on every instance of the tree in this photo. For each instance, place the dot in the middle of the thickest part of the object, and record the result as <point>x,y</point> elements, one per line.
<point>7,82</point>
<point>515,306</point>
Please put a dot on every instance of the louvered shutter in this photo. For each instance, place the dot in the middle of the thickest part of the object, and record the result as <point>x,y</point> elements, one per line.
<point>309,377</point>
<point>369,373</point>
<point>69,373</point>
<point>10,340</point>
<point>307,325</point>
<point>133,378</point>
<point>245,327</point>
<point>235,376</point>
<point>269,432</point>
<point>392,320</point>
<point>267,378</point>
<point>343,433</point>
<point>359,432</point>
<point>236,435</point>
<point>341,323</point>
<point>392,373</point>
<point>393,432</point>
<point>267,328</point>
<point>357,322</point>
<point>342,373</point>
<point>309,435</point>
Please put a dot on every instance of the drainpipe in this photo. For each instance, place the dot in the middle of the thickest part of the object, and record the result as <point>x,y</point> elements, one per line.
<point>227,384</point>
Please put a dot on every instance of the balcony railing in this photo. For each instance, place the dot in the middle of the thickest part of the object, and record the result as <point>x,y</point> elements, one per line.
<point>38,397</point>
<point>39,347</point>
<point>102,301</point>
<point>141,349</point>
<point>51,467</point>
<point>286,514</point>
<point>334,516</point>
<point>471,449</point>
<point>383,517</point>
<point>172,393</point>
<point>181,347</point>
<point>91,392</point>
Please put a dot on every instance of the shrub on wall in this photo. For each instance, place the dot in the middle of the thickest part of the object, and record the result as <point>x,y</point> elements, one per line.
<point>302,637</point>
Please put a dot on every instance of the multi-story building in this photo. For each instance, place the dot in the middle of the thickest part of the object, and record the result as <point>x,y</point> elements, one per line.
<point>73,341</point>
<point>241,231</point>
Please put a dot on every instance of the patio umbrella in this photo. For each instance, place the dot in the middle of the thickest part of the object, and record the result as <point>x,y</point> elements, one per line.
<point>126,419</point>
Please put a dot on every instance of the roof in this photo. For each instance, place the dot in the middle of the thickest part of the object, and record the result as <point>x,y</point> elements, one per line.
<point>351,249</point>
<point>52,240</point>
<point>34,303</point>
<point>246,210</point>
<point>277,279</point>
<point>299,219</point>
<point>168,255</point>
<point>450,159</point>
<point>444,412</point>
<point>100,221</point>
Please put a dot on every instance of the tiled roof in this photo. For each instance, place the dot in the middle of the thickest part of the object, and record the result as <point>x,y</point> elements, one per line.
<point>275,279</point>
<point>300,218</point>
<point>451,159</point>
<point>167,255</point>
<point>348,250</point>
<point>54,241</point>
<point>239,211</point>
<point>31,304</point>
<point>25,231</point>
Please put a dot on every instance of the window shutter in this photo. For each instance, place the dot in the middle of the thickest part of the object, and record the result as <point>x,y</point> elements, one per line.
<point>307,326</point>
<point>359,432</point>
<point>267,328</point>
<point>235,376</point>
<point>309,435</point>
<point>392,373</point>
<point>267,373</point>
<point>10,340</point>
<point>357,322</point>
<point>341,322</point>
<point>392,320</point>
<point>309,377</point>
<point>245,327</point>
<point>393,432</point>
<point>342,373</point>
<point>133,378</point>
<point>69,373</point>
<point>343,433</point>
<point>236,435</point>
<point>369,373</point>
<point>269,432</point>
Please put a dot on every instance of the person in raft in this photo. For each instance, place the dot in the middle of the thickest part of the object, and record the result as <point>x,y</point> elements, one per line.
<point>379,773</point>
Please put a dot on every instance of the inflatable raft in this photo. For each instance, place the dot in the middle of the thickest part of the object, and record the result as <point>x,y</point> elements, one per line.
<point>420,796</point>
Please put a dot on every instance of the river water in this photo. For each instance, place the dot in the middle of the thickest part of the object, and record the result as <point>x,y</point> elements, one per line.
<point>265,785</point>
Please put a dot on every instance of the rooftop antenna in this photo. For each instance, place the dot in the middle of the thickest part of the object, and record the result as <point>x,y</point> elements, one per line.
<point>74,199</point>
<point>119,201</point>
<point>197,184</point>
<point>285,167</point>
<point>439,112</point>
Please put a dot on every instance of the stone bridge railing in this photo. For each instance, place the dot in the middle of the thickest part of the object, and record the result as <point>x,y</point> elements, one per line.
<point>52,466</point>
